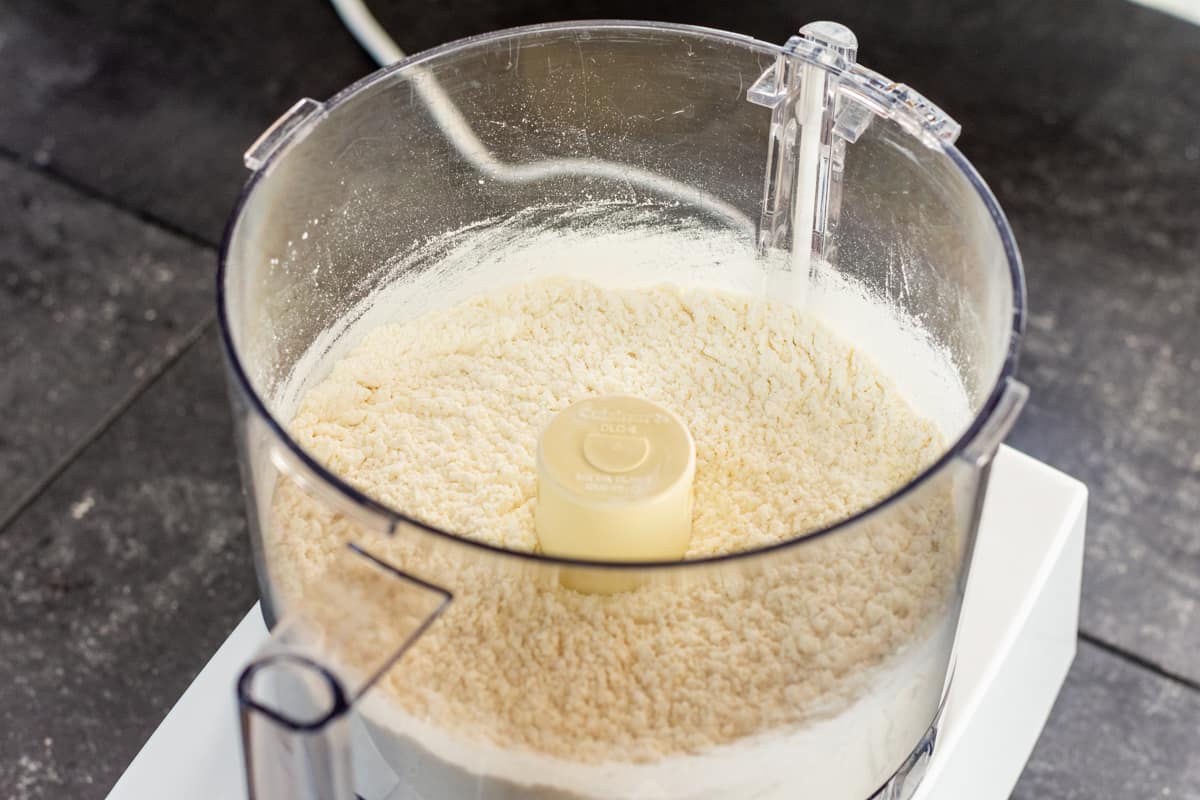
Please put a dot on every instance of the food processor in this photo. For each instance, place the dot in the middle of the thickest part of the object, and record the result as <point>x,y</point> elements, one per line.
<point>789,172</point>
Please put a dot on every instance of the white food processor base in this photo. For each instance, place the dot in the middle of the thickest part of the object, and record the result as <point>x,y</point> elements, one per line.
<point>1016,640</point>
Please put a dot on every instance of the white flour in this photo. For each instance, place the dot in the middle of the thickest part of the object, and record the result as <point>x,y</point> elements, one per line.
<point>835,645</point>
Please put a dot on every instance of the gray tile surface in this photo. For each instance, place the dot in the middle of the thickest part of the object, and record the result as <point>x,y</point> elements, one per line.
<point>1116,732</point>
<point>153,103</point>
<point>119,583</point>
<point>91,302</point>
<point>1106,203</point>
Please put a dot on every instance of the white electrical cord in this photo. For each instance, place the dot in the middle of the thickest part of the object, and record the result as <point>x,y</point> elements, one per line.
<point>375,40</point>
<point>366,29</point>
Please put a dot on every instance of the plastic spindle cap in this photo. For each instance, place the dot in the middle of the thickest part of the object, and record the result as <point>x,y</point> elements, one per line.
<point>615,482</point>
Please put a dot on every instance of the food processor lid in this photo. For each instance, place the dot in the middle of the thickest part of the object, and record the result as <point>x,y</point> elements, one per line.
<point>840,99</point>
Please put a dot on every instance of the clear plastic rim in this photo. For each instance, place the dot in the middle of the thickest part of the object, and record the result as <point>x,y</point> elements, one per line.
<point>395,518</point>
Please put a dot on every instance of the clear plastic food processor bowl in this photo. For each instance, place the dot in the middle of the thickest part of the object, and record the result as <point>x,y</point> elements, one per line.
<point>791,173</point>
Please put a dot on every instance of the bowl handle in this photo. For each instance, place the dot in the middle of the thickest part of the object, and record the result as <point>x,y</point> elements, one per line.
<point>333,644</point>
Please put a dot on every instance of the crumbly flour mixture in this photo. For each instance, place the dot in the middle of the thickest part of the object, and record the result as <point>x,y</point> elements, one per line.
<point>794,430</point>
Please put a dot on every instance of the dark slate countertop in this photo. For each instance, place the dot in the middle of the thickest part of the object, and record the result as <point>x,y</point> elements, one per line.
<point>122,531</point>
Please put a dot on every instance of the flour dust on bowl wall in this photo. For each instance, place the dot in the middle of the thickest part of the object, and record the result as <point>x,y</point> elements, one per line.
<point>615,403</point>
